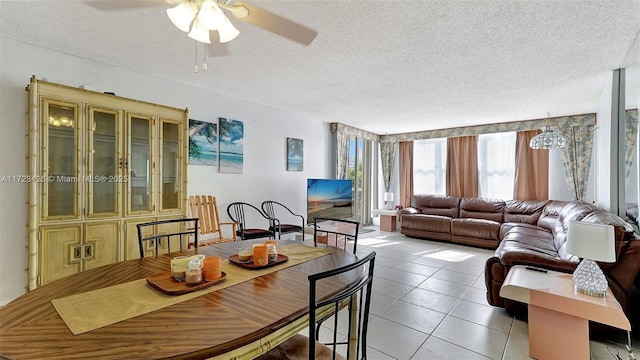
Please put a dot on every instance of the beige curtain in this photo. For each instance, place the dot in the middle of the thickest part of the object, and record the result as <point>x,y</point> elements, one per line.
<point>462,166</point>
<point>532,169</point>
<point>406,172</point>
<point>342,155</point>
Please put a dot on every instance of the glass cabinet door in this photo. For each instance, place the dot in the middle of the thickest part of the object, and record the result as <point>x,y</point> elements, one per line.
<point>139,164</point>
<point>170,160</point>
<point>105,174</point>
<point>60,191</point>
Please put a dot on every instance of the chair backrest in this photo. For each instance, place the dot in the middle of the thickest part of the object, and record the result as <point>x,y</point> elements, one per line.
<point>276,213</point>
<point>205,208</point>
<point>165,231</point>
<point>357,296</point>
<point>335,232</point>
<point>236,212</point>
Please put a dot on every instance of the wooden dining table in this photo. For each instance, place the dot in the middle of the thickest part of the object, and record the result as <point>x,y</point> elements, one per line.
<point>240,321</point>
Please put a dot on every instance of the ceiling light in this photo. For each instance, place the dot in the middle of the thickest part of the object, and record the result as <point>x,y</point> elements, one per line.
<point>182,15</point>
<point>211,16</point>
<point>202,17</point>
<point>550,138</point>
<point>199,32</point>
<point>227,31</point>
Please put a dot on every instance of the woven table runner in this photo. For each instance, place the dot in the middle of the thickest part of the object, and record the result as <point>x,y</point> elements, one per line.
<point>98,308</point>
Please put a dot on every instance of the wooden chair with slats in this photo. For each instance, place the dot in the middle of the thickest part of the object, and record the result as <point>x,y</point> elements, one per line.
<point>205,208</point>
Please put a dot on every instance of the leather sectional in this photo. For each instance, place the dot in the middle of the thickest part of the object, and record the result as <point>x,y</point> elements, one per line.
<point>523,233</point>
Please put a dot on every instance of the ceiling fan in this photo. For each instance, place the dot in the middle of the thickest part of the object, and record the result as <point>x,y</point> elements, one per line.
<point>198,17</point>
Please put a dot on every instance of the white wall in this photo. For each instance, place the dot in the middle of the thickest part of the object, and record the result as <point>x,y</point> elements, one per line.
<point>266,129</point>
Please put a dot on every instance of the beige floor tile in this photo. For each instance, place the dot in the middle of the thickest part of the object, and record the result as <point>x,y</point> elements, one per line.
<point>413,316</point>
<point>436,349</point>
<point>477,338</point>
<point>393,339</point>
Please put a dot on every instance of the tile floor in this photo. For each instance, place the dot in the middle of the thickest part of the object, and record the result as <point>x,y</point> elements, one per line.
<point>429,303</point>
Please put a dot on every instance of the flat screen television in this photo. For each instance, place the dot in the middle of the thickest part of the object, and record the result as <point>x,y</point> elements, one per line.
<point>329,198</point>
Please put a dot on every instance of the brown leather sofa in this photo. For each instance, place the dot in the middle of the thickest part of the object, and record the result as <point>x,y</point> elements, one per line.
<point>523,233</point>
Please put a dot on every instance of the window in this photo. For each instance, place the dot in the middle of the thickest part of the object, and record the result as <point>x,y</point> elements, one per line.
<point>496,165</point>
<point>429,166</point>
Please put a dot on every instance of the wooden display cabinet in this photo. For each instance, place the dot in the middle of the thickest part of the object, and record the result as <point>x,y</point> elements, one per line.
<point>97,164</point>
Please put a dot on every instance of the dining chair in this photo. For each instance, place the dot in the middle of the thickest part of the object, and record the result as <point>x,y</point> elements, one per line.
<point>162,232</point>
<point>238,212</point>
<point>205,207</point>
<point>277,213</point>
<point>358,298</point>
<point>336,232</point>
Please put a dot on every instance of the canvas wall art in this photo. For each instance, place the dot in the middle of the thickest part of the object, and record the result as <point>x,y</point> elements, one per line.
<point>295,154</point>
<point>203,143</point>
<point>231,151</point>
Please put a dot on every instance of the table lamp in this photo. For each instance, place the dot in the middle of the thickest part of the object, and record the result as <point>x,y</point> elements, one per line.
<point>591,242</point>
<point>388,198</point>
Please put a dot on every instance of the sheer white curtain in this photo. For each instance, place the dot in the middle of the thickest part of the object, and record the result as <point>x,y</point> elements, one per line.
<point>429,166</point>
<point>496,165</point>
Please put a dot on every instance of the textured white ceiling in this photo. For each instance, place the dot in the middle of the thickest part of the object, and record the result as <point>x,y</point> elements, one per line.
<point>383,66</point>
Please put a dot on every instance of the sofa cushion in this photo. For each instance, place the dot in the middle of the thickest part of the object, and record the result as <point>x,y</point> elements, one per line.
<point>528,212</point>
<point>481,208</point>
<point>573,211</point>
<point>476,228</point>
<point>436,205</point>
<point>550,214</point>
<point>506,227</point>
<point>529,240</point>
<point>431,223</point>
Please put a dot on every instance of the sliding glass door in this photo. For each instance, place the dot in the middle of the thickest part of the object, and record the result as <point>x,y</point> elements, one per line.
<point>361,170</point>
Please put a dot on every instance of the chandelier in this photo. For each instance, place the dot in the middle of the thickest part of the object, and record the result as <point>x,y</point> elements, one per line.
<point>200,18</point>
<point>550,138</point>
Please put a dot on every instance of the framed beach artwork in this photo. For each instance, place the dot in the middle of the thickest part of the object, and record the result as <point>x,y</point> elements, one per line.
<point>231,151</point>
<point>295,154</point>
<point>203,143</point>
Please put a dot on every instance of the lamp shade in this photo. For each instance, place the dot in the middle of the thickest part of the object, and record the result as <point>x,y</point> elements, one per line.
<point>227,31</point>
<point>388,196</point>
<point>182,15</point>
<point>550,138</point>
<point>591,241</point>
<point>199,33</point>
<point>211,16</point>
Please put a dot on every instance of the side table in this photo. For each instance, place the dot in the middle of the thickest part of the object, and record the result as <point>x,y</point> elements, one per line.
<point>387,219</point>
<point>558,314</point>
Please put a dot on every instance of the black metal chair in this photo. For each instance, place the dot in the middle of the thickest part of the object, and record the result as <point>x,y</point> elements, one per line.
<point>237,213</point>
<point>166,230</point>
<point>335,232</point>
<point>358,298</point>
<point>277,213</point>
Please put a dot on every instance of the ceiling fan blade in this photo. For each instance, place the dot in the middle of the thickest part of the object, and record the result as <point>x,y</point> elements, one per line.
<point>115,5</point>
<point>271,22</point>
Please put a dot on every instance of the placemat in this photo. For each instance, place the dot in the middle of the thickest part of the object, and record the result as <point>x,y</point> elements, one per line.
<point>98,308</point>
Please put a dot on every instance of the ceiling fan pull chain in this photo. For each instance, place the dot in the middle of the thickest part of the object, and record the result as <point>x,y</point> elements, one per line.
<point>204,57</point>
<point>195,66</point>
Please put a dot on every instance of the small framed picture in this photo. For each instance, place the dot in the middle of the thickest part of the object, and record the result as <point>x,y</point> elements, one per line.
<point>295,154</point>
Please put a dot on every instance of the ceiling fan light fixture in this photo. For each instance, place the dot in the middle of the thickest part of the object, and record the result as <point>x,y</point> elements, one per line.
<point>210,15</point>
<point>182,15</point>
<point>199,32</point>
<point>227,31</point>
